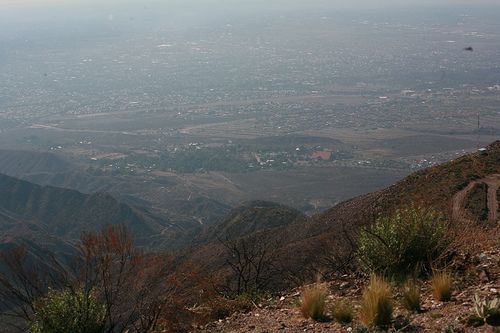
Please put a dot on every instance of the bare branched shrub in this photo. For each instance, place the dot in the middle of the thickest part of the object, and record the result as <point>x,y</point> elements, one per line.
<point>139,290</point>
<point>253,262</point>
<point>24,278</point>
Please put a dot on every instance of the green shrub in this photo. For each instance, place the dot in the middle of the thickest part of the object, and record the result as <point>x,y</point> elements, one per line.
<point>68,311</point>
<point>487,311</point>
<point>376,304</point>
<point>312,301</point>
<point>360,329</point>
<point>474,321</point>
<point>406,243</point>
<point>343,312</point>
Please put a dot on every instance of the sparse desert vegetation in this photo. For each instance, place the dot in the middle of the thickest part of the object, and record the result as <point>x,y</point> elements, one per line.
<point>343,312</point>
<point>312,301</point>
<point>377,303</point>
<point>411,296</point>
<point>442,285</point>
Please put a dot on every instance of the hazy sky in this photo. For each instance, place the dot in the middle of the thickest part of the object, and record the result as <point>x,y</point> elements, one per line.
<point>25,13</point>
<point>341,3</point>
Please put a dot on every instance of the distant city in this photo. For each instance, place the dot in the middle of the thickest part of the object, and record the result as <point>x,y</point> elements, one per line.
<point>317,91</point>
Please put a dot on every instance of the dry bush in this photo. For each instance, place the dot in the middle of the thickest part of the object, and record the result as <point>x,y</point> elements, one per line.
<point>221,307</point>
<point>139,291</point>
<point>442,286</point>
<point>253,261</point>
<point>312,301</point>
<point>411,296</point>
<point>376,305</point>
<point>343,312</point>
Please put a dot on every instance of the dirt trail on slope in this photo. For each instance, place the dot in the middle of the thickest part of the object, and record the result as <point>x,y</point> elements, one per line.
<point>493,183</point>
<point>458,201</point>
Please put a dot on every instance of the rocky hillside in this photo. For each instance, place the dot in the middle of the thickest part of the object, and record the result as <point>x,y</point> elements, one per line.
<point>281,312</point>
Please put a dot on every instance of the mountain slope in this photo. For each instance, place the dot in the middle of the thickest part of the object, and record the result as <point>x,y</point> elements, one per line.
<point>434,187</point>
<point>66,213</point>
<point>251,217</point>
<point>19,163</point>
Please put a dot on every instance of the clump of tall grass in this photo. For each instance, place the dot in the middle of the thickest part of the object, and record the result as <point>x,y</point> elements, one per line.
<point>442,286</point>
<point>312,301</point>
<point>376,303</point>
<point>343,312</point>
<point>411,296</point>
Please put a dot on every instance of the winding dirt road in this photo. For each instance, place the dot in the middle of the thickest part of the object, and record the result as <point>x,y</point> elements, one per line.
<point>458,201</point>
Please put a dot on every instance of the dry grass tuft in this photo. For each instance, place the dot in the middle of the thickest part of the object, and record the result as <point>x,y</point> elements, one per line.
<point>411,296</point>
<point>442,286</point>
<point>343,312</point>
<point>376,305</point>
<point>312,301</point>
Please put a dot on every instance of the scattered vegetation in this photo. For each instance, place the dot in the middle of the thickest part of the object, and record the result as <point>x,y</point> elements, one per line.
<point>68,311</point>
<point>361,329</point>
<point>221,307</point>
<point>225,158</point>
<point>312,301</point>
<point>450,328</point>
<point>474,321</point>
<point>442,286</point>
<point>411,296</point>
<point>406,243</point>
<point>486,312</point>
<point>343,312</point>
<point>376,303</point>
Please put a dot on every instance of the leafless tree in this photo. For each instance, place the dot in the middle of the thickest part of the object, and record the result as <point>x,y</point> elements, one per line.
<point>24,278</point>
<point>253,262</point>
<point>138,289</point>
